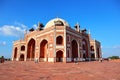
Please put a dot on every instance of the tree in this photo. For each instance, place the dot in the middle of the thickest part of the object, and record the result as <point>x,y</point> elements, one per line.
<point>1,59</point>
<point>114,57</point>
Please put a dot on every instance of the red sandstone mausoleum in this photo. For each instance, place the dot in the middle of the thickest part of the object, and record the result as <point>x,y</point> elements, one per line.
<point>56,42</point>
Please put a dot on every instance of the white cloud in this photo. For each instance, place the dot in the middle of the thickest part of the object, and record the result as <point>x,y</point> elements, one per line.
<point>2,43</point>
<point>21,25</point>
<point>117,46</point>
<point>35,26</point>
<point>11,30</point>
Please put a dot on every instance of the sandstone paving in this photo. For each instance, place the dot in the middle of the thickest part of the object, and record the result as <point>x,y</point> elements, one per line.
<point>19,70</point>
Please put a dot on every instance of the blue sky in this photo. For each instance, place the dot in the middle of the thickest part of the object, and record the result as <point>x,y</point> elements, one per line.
<point>101,17</point>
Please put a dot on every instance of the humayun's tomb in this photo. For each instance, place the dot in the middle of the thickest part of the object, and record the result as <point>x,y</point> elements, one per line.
<point>56,42</point>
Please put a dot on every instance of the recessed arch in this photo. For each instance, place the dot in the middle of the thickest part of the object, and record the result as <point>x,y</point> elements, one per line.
<point>59,56</point>
<point>15,52</point>
<point>74,49</point>
<point>85,48</point>
<point>22,57</point>
<point>92,48</point>
<point>92,55</point>
<point>31,49</point>
<point>43,48</point>
<point>59,40</point>
<point>98,53</point>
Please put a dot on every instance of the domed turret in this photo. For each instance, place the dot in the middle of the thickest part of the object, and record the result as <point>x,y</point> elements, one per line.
<point>56,22</point>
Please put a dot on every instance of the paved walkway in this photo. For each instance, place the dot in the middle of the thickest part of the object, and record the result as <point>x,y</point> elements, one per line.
<point>59,71</point>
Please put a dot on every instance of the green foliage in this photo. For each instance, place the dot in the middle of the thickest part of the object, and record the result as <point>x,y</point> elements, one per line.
<point>1,56</point>
<point>114,57</point>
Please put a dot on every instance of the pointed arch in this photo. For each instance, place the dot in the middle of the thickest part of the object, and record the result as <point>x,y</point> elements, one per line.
<point>98,53</point>
<point>59,56</point>
<point>22,57</point>
<point>15,52</point>
<point>85,48</point>
<point>92,48</point>
<point>92,55</point>
<point>43,48</point>
<point>74,49</point>
<point>31,49</point>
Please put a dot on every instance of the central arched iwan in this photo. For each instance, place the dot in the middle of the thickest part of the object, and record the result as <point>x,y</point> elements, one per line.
<point>74,51</point>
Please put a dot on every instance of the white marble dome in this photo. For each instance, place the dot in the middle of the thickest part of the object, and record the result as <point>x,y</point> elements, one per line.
<point>52,22</point>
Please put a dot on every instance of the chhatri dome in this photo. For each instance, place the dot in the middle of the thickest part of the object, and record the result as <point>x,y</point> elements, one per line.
<point>57,21</point>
